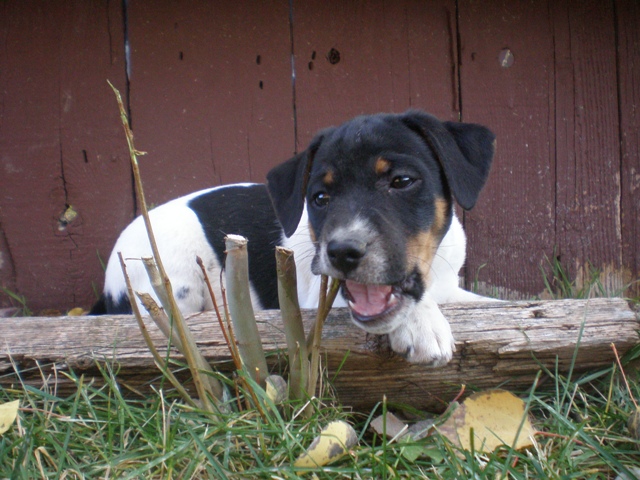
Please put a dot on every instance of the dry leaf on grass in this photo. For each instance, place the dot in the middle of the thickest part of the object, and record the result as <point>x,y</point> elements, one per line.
<point>333,442</point>
<point>393,427</point>
<point>8,414</point>
<point>276,389</point>
<point>496,417</point>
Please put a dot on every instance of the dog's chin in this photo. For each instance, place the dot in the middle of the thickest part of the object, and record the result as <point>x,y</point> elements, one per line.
<point>377,309</point>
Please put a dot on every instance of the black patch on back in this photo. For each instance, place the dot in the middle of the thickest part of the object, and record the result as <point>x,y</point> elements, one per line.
<point>246,211</point>
<point>100,307</point>
<point>119,306</point>
<point>106,304</point>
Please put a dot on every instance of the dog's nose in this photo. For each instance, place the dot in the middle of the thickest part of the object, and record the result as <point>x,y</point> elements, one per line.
<point>345,255</point>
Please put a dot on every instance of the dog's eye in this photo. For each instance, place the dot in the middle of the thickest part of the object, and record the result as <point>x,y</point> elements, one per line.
<point>402,181</point>
<point>321,199</point>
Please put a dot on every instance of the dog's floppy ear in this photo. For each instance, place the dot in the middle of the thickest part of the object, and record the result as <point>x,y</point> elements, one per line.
<point>465,151</point>
<point>287,187</point>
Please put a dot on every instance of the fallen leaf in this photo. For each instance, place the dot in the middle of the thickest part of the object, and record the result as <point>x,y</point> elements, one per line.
<point>8,414</point>
<point>394,427</point>
<point>276,389</point>
<point>495,417</point>
<point>333,442</point>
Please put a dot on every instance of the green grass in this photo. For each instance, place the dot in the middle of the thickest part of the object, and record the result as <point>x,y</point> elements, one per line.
<point>96,433</point>
<point>559,284</point>
<point>17,300</point>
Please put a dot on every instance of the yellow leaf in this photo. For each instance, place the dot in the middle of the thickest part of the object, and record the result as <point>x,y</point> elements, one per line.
<point>276,388</point>
<point>333,442</point>
<point>495,417</point>
<point>8,414</point>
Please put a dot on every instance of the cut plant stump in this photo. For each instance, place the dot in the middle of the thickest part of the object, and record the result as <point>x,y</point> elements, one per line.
<point>498,344</point>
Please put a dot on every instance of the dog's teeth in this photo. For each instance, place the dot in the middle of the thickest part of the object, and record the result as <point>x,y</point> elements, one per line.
<point>393,299</point>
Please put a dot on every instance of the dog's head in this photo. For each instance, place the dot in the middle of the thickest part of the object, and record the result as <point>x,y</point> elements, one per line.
<point>379,192</point>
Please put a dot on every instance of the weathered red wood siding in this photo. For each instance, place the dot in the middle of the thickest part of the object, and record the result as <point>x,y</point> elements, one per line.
<point>60,146</point>
<point>506,83</point>
<point>213,99</point>
<point>628,41</point>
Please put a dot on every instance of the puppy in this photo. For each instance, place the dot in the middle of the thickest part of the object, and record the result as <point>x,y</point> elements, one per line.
<point>369,203</point>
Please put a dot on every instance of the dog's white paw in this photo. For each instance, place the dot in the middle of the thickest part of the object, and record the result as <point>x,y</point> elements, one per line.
<point>425,337</point>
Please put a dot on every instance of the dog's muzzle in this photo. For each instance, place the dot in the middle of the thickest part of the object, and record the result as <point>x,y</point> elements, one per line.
<point>345,255</point>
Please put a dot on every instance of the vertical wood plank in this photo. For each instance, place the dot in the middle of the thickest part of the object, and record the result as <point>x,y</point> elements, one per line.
<point>361,57</point>
<point>507,84</point>
<point>61,146</point>
<point>7,272</point>
<point>587,141</point>
<point>211,95</point>
<point>628,36</point>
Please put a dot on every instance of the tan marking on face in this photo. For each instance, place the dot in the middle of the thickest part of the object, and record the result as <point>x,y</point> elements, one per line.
<point>422,248</point>
<point>382,166</point>
<point>439,217</point>
<point>328,178</point>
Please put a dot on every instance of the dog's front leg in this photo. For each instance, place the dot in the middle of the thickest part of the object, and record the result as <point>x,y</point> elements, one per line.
<point>425,336</point>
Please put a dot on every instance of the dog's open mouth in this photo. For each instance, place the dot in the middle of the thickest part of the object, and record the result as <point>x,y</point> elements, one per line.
<point>371,302</point>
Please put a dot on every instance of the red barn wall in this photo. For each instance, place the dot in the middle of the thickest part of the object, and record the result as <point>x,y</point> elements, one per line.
<point>220,92</point>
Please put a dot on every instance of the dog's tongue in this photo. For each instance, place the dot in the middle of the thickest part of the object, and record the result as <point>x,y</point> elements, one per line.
<point>369,300</point>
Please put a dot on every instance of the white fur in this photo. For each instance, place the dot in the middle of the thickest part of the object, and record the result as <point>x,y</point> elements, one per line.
<point>425,335</point>
<point>446,265</point>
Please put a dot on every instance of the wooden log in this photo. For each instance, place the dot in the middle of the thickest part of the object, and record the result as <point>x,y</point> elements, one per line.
<point>498,344</point>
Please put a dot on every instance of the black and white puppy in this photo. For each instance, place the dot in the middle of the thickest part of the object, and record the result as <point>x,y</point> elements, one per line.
<point>369,203</point>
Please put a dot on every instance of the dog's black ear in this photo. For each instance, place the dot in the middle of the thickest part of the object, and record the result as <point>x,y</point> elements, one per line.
<point>287,187</point>
<point>465,151</point>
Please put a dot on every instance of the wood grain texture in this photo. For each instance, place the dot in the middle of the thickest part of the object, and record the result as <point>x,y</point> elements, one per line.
<point>513,225</point>
<point>363,57</point>
<point>497,344</point>
<point>628,38</point>
<point>211,95</point>
<point>588,224</point>
<point>61,146</point>
<point>212,98</point>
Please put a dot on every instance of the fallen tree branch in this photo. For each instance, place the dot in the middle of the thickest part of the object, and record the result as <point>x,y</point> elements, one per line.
<point>497,344</point>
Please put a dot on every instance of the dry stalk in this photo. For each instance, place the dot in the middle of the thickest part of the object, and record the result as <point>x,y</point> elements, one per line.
<point>208,388</point>
<point>160,362</point>
<point>315,336</point>
<point>242,315</point>
<point>228,336</point>
<point>161,319</point>
<point>292,320</point>
<point>156,281</point>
